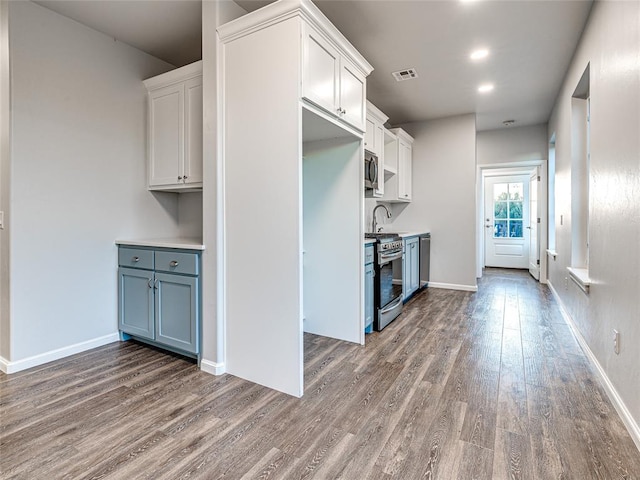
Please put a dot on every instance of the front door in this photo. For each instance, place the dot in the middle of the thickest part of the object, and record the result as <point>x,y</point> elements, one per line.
<point>506,208</point>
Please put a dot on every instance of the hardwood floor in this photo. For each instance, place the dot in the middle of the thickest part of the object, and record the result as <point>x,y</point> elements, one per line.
<point>461,386</point>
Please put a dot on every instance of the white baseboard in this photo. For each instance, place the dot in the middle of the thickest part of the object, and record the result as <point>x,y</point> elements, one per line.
<point>212,368</point>
<point>37,360</point>
<point>453,286</point>
<point>616,400</point>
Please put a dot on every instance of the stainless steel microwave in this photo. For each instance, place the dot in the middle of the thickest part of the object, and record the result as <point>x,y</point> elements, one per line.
<point>371,170</point>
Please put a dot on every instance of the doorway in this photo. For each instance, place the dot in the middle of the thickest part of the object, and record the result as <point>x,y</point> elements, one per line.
<point>532,172</point>
<point>507,221</point>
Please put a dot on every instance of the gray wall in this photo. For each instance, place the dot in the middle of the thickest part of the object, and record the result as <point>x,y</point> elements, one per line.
<point>610,44</point>
<point>512,145</point>
<point>443,197</point>
<point>78,178</point>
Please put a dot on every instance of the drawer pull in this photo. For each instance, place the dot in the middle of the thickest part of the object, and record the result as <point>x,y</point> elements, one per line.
<point>173,263</point>
<point>135,259</point>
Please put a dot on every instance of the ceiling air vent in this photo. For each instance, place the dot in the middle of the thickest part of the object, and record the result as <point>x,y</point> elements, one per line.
<point>406,74</point>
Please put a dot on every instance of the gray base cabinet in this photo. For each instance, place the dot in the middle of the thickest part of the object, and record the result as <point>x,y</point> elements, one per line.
<point>159,297</point>
<point>368,289</point>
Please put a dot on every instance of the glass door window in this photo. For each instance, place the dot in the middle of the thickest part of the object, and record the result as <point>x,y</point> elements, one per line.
<point>507,210</point>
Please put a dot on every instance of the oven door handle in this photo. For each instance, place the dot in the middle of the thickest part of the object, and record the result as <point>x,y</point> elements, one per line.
<point>394,305</point>
<point>389,257</point>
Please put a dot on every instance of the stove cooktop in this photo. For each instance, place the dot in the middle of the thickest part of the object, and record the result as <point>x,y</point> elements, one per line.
<point>384,237</point>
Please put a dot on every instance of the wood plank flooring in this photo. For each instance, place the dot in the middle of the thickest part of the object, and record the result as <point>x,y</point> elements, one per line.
<point>461,386</point>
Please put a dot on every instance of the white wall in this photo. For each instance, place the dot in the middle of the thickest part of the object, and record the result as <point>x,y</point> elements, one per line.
<point>78,178</point>
<point>512,145</point>
<point>4,181</point>
<point>443,197</point>
<point>190,215</point>
<point>610,44</point>
<point>214,13</point>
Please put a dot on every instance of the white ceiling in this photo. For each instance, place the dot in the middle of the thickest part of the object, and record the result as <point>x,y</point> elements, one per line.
<point>531,44</point>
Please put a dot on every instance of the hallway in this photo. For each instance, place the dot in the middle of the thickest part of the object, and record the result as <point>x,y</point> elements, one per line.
<point>462,385</point>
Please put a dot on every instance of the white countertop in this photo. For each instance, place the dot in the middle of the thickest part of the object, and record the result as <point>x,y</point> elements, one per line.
<point>411,234</point>
<point>183,243</point>
<point>369,240</point>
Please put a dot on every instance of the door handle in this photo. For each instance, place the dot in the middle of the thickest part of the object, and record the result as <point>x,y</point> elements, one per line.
<point>488,226</point>
<point>394,305</point>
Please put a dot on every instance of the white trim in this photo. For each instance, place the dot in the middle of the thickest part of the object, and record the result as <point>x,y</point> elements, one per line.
<point>171,77</point>
<point>37,360</point>
<point>632,426</point>
<point>580,276</point>
<point>454,286</point>
<point>212,368</point>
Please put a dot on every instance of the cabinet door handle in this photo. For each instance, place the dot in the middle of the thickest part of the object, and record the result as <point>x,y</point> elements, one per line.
<point>179,178</point>
<point>150,283</point>
<point>135,259</point>
<point>155,284</point>
<point>173,263</point>
<point>344,112</point>
<point>185,177</point>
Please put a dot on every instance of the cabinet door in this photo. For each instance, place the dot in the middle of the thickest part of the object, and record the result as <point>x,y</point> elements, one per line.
<point>379,143</point>
<point>192,172</point>
<point>352,95</point>
<point>135,302</point>
<point>406,269</point>
<point>166,135</point>
<point>321,67</point>
<point>414,281</point>
<point>404,171</point>
<point>176,311</point>
<point>370,136</point>
<point>368,297</point>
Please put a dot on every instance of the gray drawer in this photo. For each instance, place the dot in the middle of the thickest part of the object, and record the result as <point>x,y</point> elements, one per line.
<point>135,258</point>
<point>177,262</point>
<point>368,254</point>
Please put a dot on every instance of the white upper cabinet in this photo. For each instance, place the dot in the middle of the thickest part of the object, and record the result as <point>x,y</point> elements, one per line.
<point>175,129</point>
<point>353,95</point>
<point>374,135</point>
<point>331,81</point>
<point>321,71</point>
<point>398,165</point>
<point>374,142</point>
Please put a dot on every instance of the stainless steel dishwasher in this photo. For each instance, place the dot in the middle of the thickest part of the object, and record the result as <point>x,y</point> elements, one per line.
<point>425,259</point>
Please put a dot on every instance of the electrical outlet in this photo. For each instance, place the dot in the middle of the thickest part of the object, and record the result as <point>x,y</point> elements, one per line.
<point>616,342</point>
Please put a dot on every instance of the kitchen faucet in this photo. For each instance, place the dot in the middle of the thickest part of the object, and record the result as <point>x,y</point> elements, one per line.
<point>375,223</point>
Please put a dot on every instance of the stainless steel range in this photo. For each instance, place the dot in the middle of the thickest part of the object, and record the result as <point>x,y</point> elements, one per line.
<point>388,278</point>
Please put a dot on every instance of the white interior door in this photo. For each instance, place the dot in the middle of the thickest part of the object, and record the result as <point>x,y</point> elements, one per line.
<point>506,208</point>
<point>534,251</point>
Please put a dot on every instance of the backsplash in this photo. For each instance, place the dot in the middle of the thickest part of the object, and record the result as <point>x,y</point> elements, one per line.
<point>383,221</point>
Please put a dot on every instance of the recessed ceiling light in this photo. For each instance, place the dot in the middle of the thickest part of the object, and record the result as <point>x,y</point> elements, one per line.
<point>487,87</point>
<point>479,54</point>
